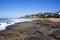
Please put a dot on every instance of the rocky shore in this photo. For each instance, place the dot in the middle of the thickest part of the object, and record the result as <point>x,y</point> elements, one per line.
<point>34,30</point>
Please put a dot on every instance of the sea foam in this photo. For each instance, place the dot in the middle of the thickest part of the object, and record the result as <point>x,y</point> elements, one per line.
<point>3,25</point>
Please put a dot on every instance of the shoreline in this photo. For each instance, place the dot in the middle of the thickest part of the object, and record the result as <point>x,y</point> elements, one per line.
<point>3,25</point>
<point>36,29</point>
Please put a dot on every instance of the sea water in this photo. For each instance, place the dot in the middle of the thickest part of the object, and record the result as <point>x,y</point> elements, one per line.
<point>4,22</point>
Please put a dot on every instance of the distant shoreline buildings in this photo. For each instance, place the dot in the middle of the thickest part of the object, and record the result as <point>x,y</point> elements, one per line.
<point>43,15</point>
<point>59,13</point>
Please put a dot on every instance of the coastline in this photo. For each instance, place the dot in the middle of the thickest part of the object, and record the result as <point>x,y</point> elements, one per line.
<point>24,19</point>
<point>36,29</point>
<point>4,25</point>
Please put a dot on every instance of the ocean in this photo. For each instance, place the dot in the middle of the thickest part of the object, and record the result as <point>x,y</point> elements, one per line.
<point>4,19</point>
<point>4,22</point>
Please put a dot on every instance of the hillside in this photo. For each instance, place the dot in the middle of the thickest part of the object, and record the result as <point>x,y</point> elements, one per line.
<point>43,15</point>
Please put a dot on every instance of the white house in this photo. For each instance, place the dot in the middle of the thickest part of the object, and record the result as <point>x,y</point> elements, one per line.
<point>59,13</point>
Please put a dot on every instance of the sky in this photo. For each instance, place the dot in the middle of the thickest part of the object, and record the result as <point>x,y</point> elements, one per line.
<point>18,8</point>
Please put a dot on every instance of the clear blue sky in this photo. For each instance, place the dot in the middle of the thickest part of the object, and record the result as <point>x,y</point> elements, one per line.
<point>18,8</point>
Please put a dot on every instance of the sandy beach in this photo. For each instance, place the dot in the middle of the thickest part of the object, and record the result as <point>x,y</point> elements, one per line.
<point>40,29</point>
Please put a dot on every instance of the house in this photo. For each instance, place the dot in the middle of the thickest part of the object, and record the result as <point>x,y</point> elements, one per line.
<point>58,12</point>
<point>49,14</point>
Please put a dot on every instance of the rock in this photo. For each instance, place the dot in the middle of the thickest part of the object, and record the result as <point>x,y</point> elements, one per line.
<point>36,30</point>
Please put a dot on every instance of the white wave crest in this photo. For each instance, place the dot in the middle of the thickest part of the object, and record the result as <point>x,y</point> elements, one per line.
<point>3,25</point>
